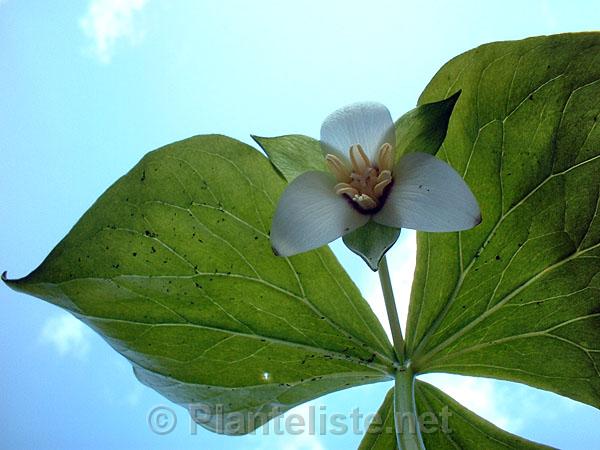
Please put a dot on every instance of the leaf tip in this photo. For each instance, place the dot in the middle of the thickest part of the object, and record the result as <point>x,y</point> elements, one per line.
<point>257,139</point>
<point>10,283</point>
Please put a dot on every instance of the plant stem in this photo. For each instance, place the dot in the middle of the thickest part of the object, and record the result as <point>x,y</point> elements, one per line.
<point>408,433</point>
<point>392,312</point>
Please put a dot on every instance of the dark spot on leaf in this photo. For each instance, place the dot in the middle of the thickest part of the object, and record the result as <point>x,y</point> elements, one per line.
<point>143,175</point>
<point>134,254</point>
<point>152,249</point>
<point>531,97</point>
<point>497,257</point>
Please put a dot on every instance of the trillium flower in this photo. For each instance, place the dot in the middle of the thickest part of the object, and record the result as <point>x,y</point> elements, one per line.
<point>364,183</point>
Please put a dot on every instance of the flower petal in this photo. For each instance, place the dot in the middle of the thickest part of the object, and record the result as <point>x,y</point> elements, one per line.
<point>310,214</point>
<point>368,124</point>
<point>428,195</point>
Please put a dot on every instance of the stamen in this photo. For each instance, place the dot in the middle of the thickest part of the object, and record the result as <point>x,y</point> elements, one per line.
<point>364,201</point>
<point>360,160</point>
<point>385,157</point>
<point>384,175</point>
<point>345,188</point>
<point>363,182</point>
<point>379,187</point>
<point>338,168</point>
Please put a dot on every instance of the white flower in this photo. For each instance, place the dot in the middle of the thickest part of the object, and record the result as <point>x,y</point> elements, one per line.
<point>419,192</point>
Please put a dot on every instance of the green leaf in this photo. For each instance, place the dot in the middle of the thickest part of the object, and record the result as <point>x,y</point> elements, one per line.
<point>444,424</point>
<point>173,267</point>
<point>423,128</point>
<point>518,297</point>
<point>381,434</point>
<point>371,242</point>
<point>464,429</point>
<point>293,154</point>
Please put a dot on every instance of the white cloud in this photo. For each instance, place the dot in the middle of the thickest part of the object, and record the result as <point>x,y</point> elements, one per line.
<point>480,395</point>
<point>128,392</point>
<point>108,21</point>
<point>68,335</point>
<point>304,440</point>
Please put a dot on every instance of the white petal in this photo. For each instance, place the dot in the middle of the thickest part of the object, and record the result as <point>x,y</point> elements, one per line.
<point>310,214</point>
<point>368,124</point>
<point>428,195</point>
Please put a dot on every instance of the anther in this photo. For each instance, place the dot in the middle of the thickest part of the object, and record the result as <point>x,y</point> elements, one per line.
<point>379,187</point>
<point>384,175</point>
<point>364,201</point>
<point>385,157</point>
<point>360,160</point>
<point>338,168</point>
<point>345,188</point>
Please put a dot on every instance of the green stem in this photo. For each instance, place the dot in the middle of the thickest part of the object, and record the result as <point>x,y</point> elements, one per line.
<point>408,433</point>
<point>392,312</point>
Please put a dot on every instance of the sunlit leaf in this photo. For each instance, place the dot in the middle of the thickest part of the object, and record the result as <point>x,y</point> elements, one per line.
<point>173,267</point>
<point>518,297</point>
<point>444,424</point>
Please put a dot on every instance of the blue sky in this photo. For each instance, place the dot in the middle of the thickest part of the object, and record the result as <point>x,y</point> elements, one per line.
<point>88,87</point>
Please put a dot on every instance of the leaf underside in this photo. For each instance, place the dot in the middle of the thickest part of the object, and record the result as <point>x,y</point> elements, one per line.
<point>518,297</point>
<point>173,267</point>
<point>444,424</point>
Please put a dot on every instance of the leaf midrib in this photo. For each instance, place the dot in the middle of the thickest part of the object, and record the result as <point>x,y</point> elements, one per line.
<point>334,354</point>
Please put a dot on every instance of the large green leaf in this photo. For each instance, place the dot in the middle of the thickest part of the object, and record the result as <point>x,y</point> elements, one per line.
<point>381,434</point>
<point>173,267</point>
<point>444,424</point>
<point>464,429</point>
<point>518,297</point>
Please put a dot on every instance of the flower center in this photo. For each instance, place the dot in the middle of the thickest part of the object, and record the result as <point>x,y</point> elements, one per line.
<point>365,182</point>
